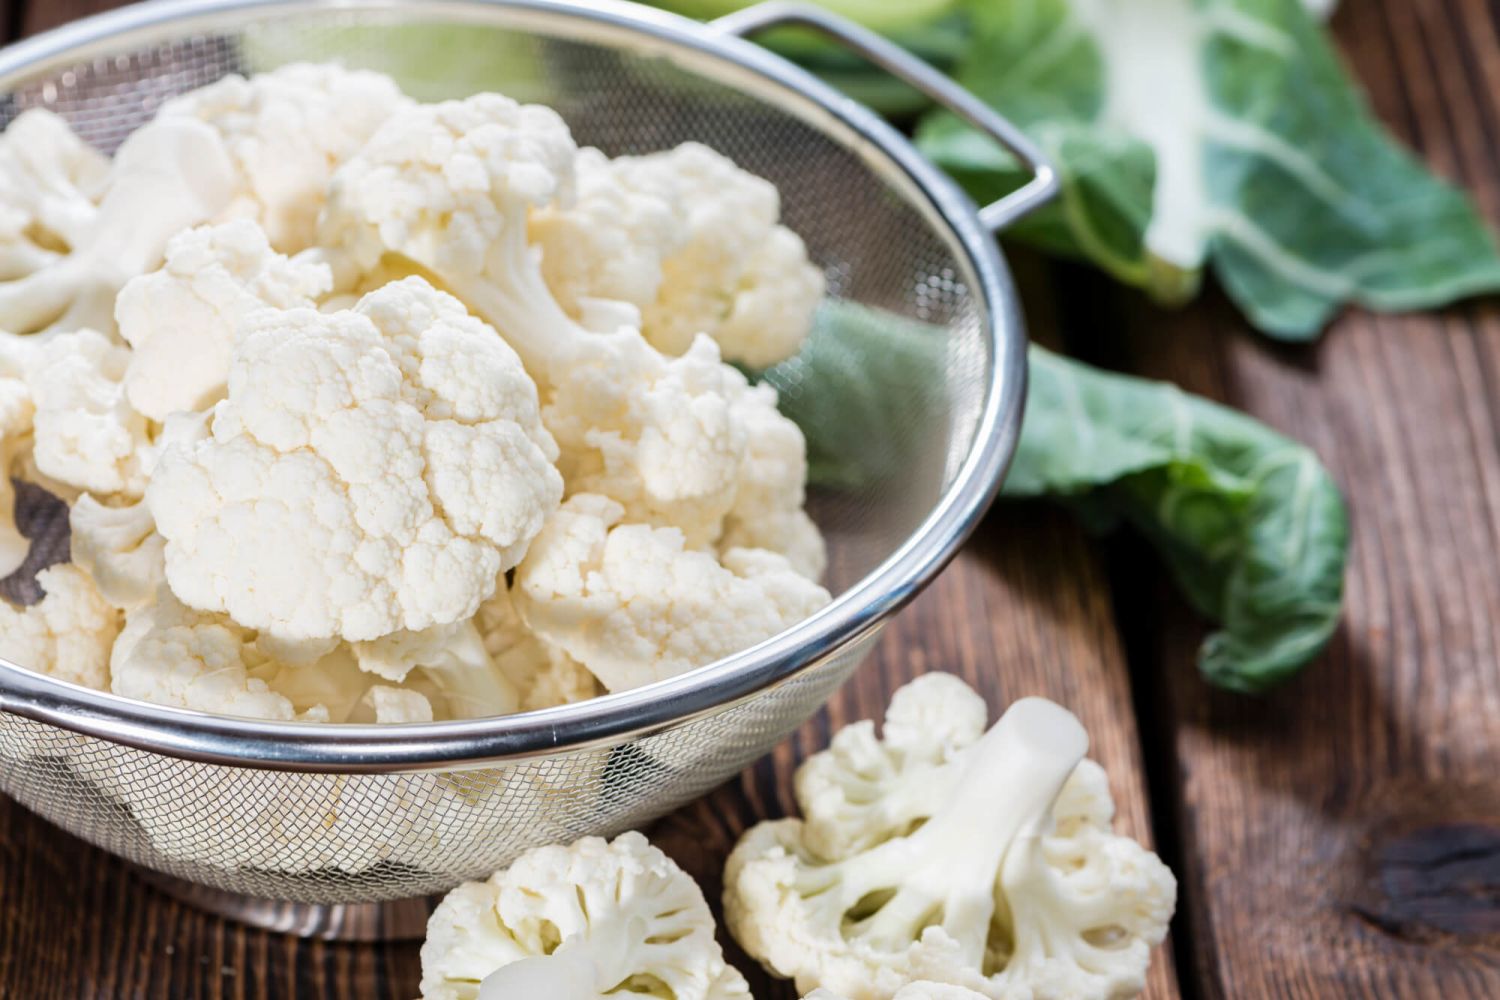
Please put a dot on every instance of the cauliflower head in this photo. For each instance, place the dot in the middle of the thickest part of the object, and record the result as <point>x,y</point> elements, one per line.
<point>169,175</point>
<point>692,243</point>
<point>50,184</point>
<point>450,187</point>
<point>287,131</point>
<point>180,320</point>
<point>68,634</point>
<point>634,605</point>
<point>370,471</point>
<point>1002,876</point>
<point>591,920</point>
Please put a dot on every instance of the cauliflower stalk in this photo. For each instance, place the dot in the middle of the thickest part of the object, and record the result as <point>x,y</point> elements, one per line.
<point>120,549</point>
<point>633,604</point>
<point>370,471</point>
<point>992,866</point>
<point>586,922</point>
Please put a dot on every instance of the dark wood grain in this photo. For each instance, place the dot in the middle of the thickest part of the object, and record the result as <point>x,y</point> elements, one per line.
<point>1024,610</point>
<point>1341,838</point>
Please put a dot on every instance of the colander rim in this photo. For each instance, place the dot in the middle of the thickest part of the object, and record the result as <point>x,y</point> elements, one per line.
<point>613,718</point>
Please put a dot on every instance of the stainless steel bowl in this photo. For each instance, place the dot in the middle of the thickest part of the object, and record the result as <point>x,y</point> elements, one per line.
<point>325,818</point>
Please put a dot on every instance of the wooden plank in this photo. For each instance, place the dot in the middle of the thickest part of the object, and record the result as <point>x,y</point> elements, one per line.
<point>1024,610</point>
<point>1343,834</point>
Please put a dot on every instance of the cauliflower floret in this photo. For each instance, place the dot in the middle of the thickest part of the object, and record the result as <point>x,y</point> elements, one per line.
<point>449,187</point>
<point>50,183</point>
<point>544,675</point>
<point>454,658</point>
<point>68,634</point>
<point>169,654</point>
<point>395,705</point>
<point>370,471</point>
<point>168,176</point>
<point>609,244</point>
<point>992,867</point>
<point>87,434</point>
<point>119,547</point>
<point>588,920</point>
<point>692,242</point>
<point>634,605</point>
<point>772,489</point>
<point>180,320</point>
<point>287,131</point>
<point>16,411</point>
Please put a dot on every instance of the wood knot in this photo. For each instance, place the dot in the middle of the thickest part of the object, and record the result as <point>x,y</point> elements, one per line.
<point>1433,882</point>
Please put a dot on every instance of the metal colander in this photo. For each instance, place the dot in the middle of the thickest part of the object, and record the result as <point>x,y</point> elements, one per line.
<point>329,816</point>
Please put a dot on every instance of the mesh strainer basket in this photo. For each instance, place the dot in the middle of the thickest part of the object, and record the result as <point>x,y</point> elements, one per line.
<point>314,828</point>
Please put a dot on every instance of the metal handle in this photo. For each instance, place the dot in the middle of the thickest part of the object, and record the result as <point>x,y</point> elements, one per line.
<point>889,56</point>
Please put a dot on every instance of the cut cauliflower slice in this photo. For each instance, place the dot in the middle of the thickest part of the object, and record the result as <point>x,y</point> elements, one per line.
<point>68,634</point>
<point>180,320</point>
<point>88,436</point>
<point>119,547</point>
<point>693,243</point>
<point>287,131</point>
<point>544,675</point>
<point>168,176</point>
<point>634,605</point>
<point>450,187</point>
<point>370,471</point>
<point>50,183</point>
<point>1011,884</point>
<point>591,920</point>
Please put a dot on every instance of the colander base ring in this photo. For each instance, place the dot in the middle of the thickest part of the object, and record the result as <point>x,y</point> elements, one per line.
<point>393,920</point>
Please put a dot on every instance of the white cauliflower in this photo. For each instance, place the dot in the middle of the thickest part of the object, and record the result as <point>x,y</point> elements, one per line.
<point>543,674</point>
<point>452,657</point>
<point>693,243</point>
<point>392,705</point>
<point>180,320</point>
<point>590,921</point>
<point>120,549</point>
<point>1011,884</point>
<point>287,131</point>
<point>170,654</point>
<point>16,411</point>
<point>609,244</point>
<point>370,471</point>
<point>913,991</point>
<point>168,176</point>
<point>634,605</point>
<point>50,183</point>
<point>450,187</point>
<point>88,436</point>
<point>67,634</point>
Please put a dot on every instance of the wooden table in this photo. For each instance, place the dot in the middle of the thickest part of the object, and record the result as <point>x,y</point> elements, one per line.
<point>1340,838</point>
